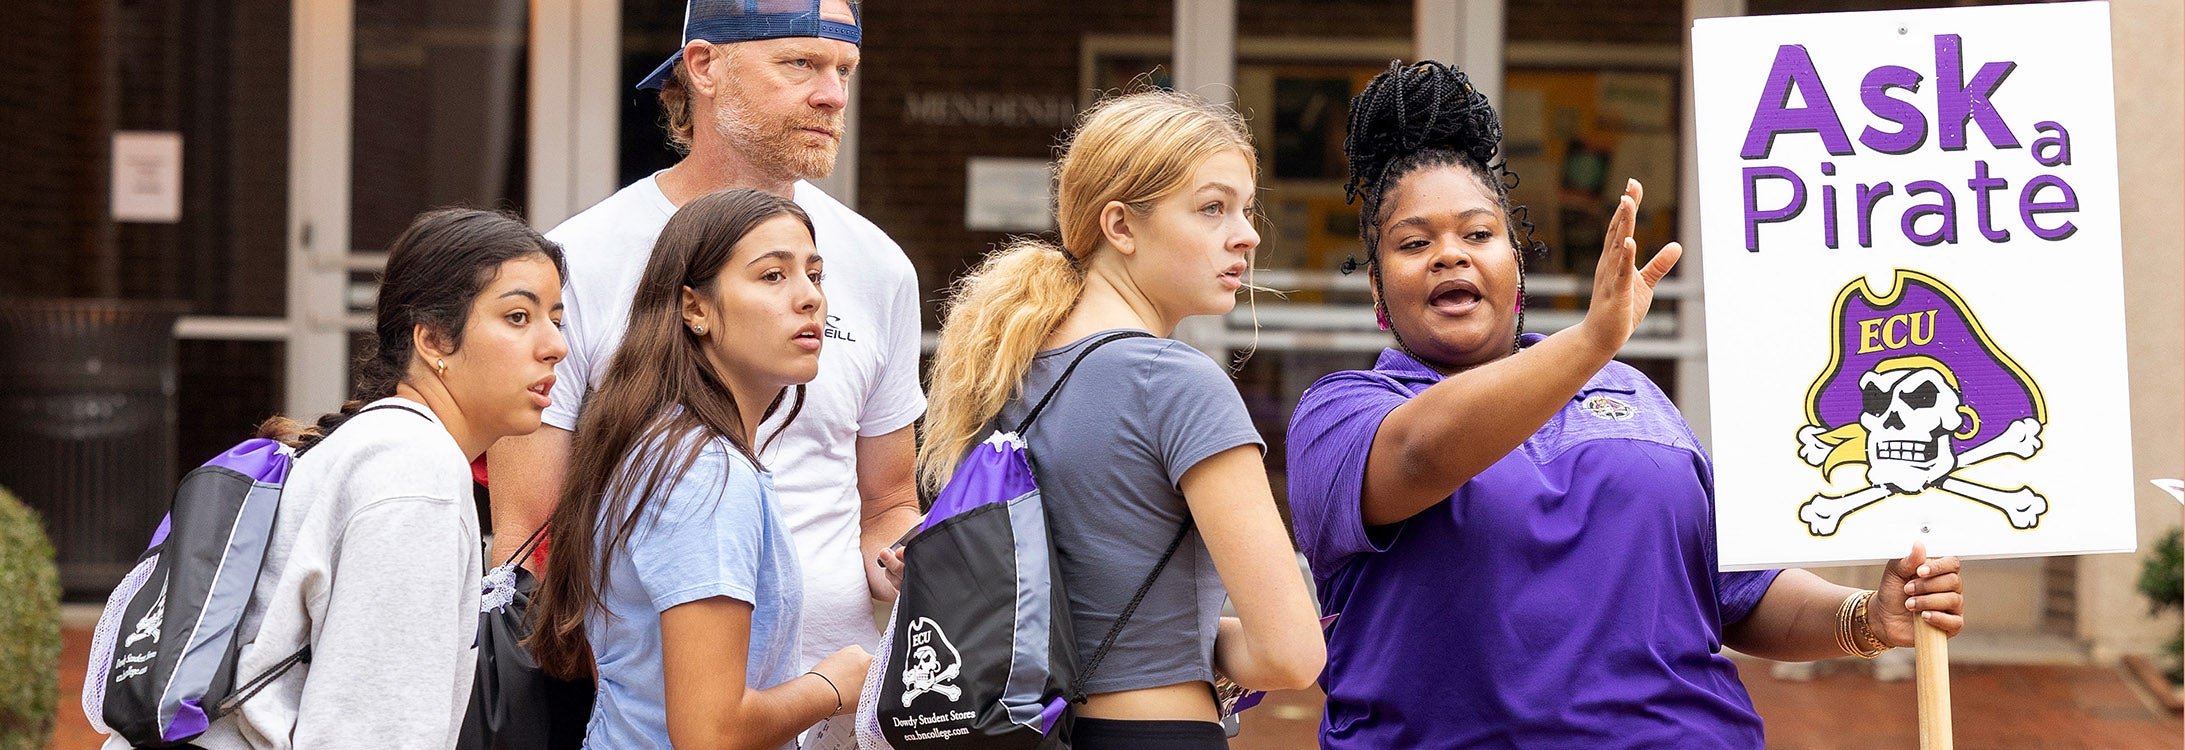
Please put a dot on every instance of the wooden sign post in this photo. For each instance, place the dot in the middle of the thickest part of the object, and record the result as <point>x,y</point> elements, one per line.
<point>1932,655</point>
<point>1914,297</point>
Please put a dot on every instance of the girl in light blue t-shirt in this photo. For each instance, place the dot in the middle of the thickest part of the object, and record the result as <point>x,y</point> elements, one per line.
<point>670,567</point>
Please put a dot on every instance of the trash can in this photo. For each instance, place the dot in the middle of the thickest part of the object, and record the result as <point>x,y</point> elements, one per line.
<point>87,427</point>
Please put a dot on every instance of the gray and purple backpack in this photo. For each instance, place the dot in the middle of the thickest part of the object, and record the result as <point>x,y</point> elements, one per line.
<point>163,656</point>
<point>979,651</point>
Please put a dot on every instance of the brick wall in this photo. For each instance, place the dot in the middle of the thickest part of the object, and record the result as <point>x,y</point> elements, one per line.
<point>1325,19</point>
<point>911,174</point>
<point>1596,21</point>
<point>47,163</point>
<point>214,70</point>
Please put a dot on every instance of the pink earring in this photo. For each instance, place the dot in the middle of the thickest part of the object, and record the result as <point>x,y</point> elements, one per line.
<point>1380,316</point>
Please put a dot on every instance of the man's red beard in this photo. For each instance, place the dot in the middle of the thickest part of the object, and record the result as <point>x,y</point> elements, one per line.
<point>785,147</point>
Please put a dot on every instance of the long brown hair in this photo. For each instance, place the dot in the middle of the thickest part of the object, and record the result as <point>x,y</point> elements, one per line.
<point>1134,149</point>
<point>660,403</point>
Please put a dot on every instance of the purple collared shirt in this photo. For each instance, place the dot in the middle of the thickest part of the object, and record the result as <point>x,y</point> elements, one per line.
<point>1566,596</point>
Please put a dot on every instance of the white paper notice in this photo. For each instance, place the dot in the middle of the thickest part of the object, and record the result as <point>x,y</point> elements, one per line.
<point>1008,195</point>
<point>148,176</point>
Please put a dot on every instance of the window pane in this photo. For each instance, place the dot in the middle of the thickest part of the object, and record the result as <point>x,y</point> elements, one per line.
<point>440,111</point>
<point>217,74</point>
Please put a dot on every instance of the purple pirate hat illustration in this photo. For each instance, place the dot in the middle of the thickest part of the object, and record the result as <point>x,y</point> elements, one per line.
<point>1993,384</point>
<point>1916,390</point>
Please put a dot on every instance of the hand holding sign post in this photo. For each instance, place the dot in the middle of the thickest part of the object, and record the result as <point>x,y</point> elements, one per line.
<point>1914,289</point>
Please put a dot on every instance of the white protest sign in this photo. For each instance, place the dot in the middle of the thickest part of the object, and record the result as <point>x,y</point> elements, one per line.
<point>1915,316</point>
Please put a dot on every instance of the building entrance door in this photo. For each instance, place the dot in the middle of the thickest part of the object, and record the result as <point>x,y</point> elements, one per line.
<point>396,106</point>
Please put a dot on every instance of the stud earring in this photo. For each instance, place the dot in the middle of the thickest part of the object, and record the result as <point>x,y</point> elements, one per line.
<point>442,366</point>
<point>698,330</point>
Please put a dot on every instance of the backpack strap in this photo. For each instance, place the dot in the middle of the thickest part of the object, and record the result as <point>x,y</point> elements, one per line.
<point>258,684</point>
<point>1067,371</point>
<point>1077,686</point>
<point>315,443</point>
<point>1076,692</point>
<point>524,550</point>
<point>394,406</point>
<point>251,689</point>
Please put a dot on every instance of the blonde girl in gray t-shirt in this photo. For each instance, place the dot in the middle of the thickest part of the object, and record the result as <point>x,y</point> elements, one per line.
<point>1155,209</point>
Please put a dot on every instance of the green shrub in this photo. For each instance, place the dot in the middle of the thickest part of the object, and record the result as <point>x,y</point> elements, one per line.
<point>30,629</point>
<point>2162,579</point>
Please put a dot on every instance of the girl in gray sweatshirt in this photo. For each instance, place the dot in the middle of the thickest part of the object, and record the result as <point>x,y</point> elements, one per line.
<point>375,557</point>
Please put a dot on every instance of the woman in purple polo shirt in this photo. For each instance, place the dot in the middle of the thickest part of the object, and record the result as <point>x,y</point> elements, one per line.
<point>1516,530</point>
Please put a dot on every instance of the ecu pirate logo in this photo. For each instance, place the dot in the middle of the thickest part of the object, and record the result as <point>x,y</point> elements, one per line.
<point>931,664</point>
<point>1917,393</point>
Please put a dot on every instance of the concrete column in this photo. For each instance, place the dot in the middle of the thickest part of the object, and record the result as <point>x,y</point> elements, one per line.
<point>1206,64</point>
<point>1465,33</point>
<point>1692,386</point>
<point>322,69</point>
<point>2145,38</point>
<point>576,53</point>
<point>1206,48</point>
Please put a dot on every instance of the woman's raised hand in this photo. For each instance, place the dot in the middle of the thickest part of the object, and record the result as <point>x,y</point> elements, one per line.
<point>1622,291</point>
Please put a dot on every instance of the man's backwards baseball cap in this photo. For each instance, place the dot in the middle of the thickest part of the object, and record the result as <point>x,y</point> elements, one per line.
<point>730,21</point>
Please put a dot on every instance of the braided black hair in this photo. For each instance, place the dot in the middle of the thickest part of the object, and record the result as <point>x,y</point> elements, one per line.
<point>1411,117</point>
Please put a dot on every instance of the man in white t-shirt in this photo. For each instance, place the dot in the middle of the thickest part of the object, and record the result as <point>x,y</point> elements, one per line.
<point>757,101</point>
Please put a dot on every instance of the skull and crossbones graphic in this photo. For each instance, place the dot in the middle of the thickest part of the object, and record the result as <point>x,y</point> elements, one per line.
<point>923,671</point>
<point>1913,411</point>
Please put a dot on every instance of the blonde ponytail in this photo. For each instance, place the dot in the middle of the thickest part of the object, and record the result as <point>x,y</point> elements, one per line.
<point>1133,149</point>
<point>998,317</point>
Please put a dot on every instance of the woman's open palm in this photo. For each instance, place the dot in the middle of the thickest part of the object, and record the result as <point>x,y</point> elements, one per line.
<point>1623,291</point>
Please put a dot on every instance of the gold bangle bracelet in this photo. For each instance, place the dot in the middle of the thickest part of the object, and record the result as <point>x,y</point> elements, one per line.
<point>1852,633</point>
<point>1843,625</point>
<point>1865,621</point>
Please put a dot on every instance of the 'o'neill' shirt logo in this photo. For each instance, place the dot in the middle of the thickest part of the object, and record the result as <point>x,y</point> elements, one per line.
<point>1607,408</point>
<point>836,331</point>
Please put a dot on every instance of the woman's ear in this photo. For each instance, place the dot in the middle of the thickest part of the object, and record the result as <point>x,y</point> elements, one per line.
<point>430,345</point>
<point>694,310</point>
<point>1115,228</point>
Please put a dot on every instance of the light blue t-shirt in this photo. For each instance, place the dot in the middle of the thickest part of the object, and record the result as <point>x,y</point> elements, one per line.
<point>716,532</point>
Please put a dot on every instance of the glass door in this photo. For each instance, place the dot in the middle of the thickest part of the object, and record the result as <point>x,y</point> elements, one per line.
<point>397,106</point>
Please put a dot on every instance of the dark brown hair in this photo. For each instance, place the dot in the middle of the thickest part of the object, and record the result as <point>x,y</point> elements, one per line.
<point>660,404</point>
<point>435,270</point>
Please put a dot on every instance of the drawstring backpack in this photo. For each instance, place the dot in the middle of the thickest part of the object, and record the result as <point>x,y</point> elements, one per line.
<point>164,652</point>
<point>514,705</point>
<point>980,651</point>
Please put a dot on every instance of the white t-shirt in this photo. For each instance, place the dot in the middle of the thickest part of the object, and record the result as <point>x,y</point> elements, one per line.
<point>867,384</point>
